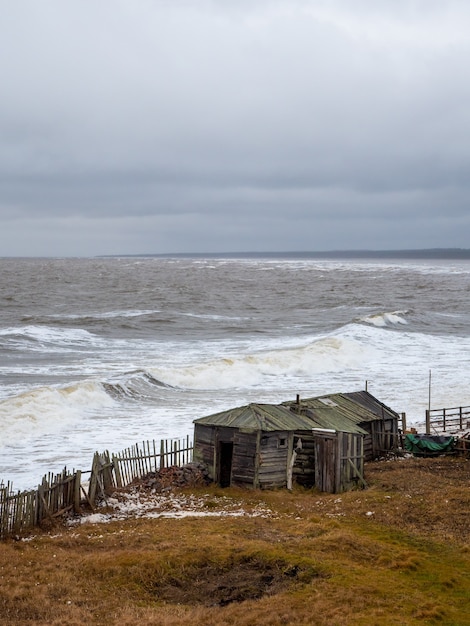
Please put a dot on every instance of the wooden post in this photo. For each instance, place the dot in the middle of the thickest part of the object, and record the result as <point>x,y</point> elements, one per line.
<point>256,484</point>
<point>92,487</point>
<point>429,392</point>
<point>76,495</point>
<point>162,454</point>
<point>117,470</point>
<point>338,463</point>
<point>215,467</point>
<point>428,422</point>
<point>291,458</point>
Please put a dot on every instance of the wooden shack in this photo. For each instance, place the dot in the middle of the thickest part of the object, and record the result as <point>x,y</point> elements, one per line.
<point>362,409</point>
<point>252,445</point>
<point>268,446</point>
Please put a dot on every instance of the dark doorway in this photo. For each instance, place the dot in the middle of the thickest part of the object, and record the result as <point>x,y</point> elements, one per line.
<point>225,463</point>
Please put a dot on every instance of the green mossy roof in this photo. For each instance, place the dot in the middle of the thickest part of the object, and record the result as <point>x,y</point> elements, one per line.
<point>264,417</point>
<point>270,417</point>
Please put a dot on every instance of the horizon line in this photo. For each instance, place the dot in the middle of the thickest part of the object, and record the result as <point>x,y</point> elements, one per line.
<point>432,253</point>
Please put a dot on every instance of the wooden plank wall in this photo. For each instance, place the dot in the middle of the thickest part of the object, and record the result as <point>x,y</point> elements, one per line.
<point>204,447</point>
<point>244,466</point>
<point>304,466</point>
<point>273,459</point>
<point>382,437</point>
<point>267,470</point>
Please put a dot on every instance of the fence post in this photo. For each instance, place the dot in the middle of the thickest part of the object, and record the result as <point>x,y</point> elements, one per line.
<point>403,422</point>
<point>117,470</point>
<point>4,505</point>
<point>93,479</point>
<point>76,494</point>
<point>162,454</point>
<point>428,422</point>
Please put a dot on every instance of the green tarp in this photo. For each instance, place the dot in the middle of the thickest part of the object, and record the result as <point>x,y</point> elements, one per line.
<point>429,445</point>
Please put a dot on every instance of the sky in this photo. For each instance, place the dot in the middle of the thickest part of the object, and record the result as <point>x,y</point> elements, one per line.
<point>159,126</point>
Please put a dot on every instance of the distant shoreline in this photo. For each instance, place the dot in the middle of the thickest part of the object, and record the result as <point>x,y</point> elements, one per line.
<point>428,253</point>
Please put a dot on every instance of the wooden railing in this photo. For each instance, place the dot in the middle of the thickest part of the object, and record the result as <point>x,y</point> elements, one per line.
<point>64,492</point>
<point>443,420</point>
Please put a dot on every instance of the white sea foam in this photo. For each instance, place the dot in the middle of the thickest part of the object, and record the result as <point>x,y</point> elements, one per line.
<point>49,409</point>
<point>106,314</point>
<point>326,355</point>
<point>385,319</point>
<point>49,335</point>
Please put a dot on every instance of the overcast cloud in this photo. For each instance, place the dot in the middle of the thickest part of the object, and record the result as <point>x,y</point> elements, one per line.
<point>153,126</point>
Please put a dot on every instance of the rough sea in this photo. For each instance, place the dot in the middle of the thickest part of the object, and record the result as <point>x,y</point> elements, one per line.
<point>102,353</point>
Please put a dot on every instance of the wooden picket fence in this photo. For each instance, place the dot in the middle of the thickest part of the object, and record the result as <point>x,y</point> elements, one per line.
<point>62,493</point>
<point>119,470</point>
<point>56,495</point>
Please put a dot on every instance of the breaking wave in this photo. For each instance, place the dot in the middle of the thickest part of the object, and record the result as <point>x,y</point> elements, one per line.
<point>49,409</point>
<point>328,354</point>
<point>136,385</point>
<point>382,320</point>
<point>40,336</point>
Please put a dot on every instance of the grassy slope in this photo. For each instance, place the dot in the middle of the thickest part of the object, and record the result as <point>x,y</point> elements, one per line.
<point>396,553</point>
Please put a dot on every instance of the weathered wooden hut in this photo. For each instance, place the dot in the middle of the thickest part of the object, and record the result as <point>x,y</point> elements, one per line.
<point>268,446</point>
<point>251,445</point>
<point>360,408</point>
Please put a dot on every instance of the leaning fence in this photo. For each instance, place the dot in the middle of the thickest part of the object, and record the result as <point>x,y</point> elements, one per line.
<point>56,495</point>
<point>65,492</point>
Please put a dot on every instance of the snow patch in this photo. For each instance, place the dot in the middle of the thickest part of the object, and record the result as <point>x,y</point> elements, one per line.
<point>136,504</point>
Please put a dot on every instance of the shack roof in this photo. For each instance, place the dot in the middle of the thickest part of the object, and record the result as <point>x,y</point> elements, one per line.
<point>374,405</point>
<point>263,417</point>
<point>274,417</point>
<point>347,408</point>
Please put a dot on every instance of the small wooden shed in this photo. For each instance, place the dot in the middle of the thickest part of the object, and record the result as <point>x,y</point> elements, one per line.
<point>268,446</point>
<point>251,445</point>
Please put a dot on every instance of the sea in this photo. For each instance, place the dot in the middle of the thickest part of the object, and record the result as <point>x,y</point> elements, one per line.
<point>102,353</point>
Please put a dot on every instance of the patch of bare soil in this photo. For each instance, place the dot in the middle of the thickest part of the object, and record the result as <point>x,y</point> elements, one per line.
<point>428,495</point>
<point>220,585</point>
<point>421,474</point>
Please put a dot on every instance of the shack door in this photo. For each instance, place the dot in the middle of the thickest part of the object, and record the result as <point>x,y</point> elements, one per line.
<point>225,463</point>
<point>325,461</point>
<point>339,460</point>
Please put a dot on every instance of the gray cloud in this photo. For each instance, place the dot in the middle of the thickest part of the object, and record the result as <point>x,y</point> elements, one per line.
<point>172,126</point>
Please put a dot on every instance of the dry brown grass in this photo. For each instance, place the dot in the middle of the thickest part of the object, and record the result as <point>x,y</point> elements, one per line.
<point>396,553</point>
